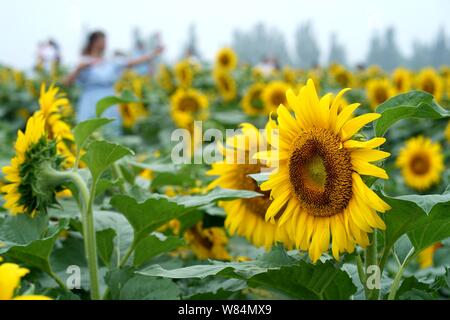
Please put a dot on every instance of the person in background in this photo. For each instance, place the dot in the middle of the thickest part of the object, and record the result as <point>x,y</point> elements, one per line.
<point>96,75</point>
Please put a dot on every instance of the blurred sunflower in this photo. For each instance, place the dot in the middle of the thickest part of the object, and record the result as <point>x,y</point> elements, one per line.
<point>226,59</point>
<point>378,91</point>
<point>428,80</point>
<point>317,184</point>
<point>252,103</point>
<point>274,94</point>
<point>426,257</point>
<point>26,191</point>
<point>184,73</point>
<point>188,106</point>
<point>289,75</point>
<point>246,217</point>
<point>421,162</point>
<point>447,132</point>
<point>132,112</point>
<point>402,80</point>
<point>51,103</point>
<point>164,78</point>
<point>342,77</point>
<point>207,243</point>
<point>10,276</point>
<point>226,85</point>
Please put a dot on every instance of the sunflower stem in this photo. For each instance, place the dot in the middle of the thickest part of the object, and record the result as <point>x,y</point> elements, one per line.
<point>87,215</point>
<point>371,259</point>
<point>398,277</point>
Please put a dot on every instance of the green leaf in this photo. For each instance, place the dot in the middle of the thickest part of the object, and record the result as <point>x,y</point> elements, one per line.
<point>215,195</point>
<point>107,102</point>
<point>37,253</point>
<point>155,245</point>
<point>415,104</point>
<point>101,155</point>
<point>272,260</point>
<point>322,281</point>
<point>105,245</point>
<point>147,288</point>
<point>85,129</point>
<point>413,289</point>
<point>22,230</point>
<point>148,216</point>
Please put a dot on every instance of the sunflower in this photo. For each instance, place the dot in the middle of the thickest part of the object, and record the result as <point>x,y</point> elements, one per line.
<point>274,94</point>
<point>188,106</point>
<point>421,162</point>
<point>164,78</point>
<point>317,184</point>
<point>426,257</point>
<point>184,73</point>
<point>226,59</point>
<point>10,276</point>
<point>246,217</point>
<point>207,243</point>
<point>289,75</point>
<point>52,103</point>
<point>447,132</point>
<point>341,76</point>
<point>252,103</point>
<point>428,80</point>
<point>26,192</point>
<point>225,85</point>
<point>379,91</point>
<point>402,80</point>
<point>134,111</point>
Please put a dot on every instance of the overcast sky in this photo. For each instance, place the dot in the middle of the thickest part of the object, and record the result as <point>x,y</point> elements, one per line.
<point>23,22</point>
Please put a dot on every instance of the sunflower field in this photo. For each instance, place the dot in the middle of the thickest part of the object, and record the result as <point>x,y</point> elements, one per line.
<point>224,181</point>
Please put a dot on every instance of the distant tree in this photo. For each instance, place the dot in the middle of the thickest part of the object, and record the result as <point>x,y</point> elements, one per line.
<point>375,51</point>
<point>440,51</point>
<point>337,51</point>
<point>190,48</point>
<point>260,43</point>
<point>306,47</point>
<point>392,57</point>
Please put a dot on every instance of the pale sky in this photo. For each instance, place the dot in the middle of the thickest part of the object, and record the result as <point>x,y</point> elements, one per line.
<point>23,23</point>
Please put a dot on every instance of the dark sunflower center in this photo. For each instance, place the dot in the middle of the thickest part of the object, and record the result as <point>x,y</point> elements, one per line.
<point>381,94</point>
<point>224,60</point>
<point>420,164</point>
<point>278,97</point>
<point>188,104</point>
<point>342,79</point>
<point>255,99</point>
<point>429,86</point>
<point>320,172</point>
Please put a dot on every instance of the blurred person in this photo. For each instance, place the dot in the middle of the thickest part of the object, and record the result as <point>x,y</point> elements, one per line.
<point>96,75</point>
<point>48,55</point>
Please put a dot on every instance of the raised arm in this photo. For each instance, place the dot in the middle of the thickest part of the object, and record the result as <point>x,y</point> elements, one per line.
<point>144,58</point>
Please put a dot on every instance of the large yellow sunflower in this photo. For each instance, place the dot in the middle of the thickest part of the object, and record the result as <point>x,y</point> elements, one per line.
<point>10,276</point>
<point>428,80</point>
<point>252,103</point>
<point>378,91</point>
<point>246,217</point>
<point>207,243</point>
<point>226,59</point>
<point>317,184</point>
<point>226,85</point>
<point>421,163</point>
<point>274,94</point>
<point>188,106</point>
<point>402,80</point>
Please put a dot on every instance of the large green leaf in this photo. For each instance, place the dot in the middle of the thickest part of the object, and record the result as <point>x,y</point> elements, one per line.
<point>105,245</point>
<point>215,195</point>
<point>415,104</point>
<point>85,129</point>
<point>272,260</point>
<point>148,216</point>
<point>155,245</point>
<point>101,155</point>
<point>148,288</point>
<point>22,230</point>
<point>322,281</point>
